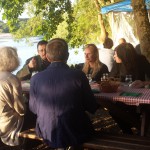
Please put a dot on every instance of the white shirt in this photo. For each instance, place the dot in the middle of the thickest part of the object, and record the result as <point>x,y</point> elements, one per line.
<point>106,57</point>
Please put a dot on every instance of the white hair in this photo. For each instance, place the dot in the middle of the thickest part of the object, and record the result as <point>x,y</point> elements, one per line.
<point>9,60</point>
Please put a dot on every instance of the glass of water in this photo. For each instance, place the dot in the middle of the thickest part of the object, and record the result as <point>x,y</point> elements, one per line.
<point>89,76</point>
<point>128,80</point>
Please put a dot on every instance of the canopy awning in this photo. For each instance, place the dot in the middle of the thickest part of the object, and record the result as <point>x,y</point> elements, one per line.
<point>122,6</point>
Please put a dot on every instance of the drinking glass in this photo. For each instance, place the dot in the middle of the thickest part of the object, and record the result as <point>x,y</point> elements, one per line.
<point>89,76</point>
<point>128,80</point>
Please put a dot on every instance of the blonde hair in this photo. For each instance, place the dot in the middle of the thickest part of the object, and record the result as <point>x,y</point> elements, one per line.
<point>9,59</point>
<point>97,63</point>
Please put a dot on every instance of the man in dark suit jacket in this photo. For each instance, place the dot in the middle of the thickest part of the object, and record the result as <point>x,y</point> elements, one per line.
<point>34,64</point>
<point>59,96</point>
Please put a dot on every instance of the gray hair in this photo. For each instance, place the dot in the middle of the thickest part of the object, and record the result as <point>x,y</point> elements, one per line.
<point>57,50</point>
<point>9,59</point>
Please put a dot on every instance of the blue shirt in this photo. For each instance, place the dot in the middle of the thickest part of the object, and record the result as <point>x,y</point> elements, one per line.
<point>59,96</point>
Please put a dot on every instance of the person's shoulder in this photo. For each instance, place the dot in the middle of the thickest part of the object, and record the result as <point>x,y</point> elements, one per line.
<point>79,66</point>
<point>27,61</point>
<point>37,57</point>
<point>142,59</point>
<point>11,78</point>
<point>104,65</point>
<point>76,71</point>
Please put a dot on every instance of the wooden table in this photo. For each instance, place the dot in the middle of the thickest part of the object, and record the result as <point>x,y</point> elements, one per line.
<point>139,101</point>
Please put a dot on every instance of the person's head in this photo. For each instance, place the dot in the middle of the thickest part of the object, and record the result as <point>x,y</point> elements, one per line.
<point>108,43</point>
<point>125,53</point>
<point>57,50</point>
<point>41,48</point>
<point>9,59</point>
<point>91,59</point>
<point>91,53</point>
<point>121,40</point>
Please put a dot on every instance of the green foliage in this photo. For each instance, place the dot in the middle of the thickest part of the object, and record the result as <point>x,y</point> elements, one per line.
<point>62,28</point>
<point>49,12</point>
<point>29,28</point>
<point>12,9</point>
<point>3,27</point>
<point>85,27</point>
<point>53,11</point>
<point>77,23</point>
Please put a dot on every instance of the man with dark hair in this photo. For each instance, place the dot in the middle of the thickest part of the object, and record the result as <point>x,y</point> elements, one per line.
<point>108,43</point>
<point>34,64</point>
<point>59,96</point>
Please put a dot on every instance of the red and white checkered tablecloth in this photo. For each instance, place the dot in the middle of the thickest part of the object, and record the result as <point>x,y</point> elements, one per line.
<point>144,98</point>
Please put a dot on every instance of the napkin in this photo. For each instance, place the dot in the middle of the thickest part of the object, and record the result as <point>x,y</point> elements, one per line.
<point>95,91</point>
<point>130,94</point>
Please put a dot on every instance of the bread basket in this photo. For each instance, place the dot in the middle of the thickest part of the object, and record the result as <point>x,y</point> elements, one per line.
<point>109,86</point>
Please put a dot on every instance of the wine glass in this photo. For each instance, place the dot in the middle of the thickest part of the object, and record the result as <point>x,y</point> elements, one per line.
<point>89,76</point>
<point>128,80</point>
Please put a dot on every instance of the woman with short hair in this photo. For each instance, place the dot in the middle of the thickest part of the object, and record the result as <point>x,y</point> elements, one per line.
<point>12,107</point>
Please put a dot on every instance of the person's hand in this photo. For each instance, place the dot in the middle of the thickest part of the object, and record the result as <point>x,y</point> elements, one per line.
<point>32,63</point>
<point>137,84</point>
<point>94,85</point>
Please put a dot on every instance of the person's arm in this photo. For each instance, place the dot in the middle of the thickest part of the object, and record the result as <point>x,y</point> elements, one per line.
<point>146,67</point>
<point>114,71</point>
<point>32,100</point>
<point>24,73</point>
<point>19,102</point>
<point>89,100</point>
<point>13,97</point>
<point>79,66</point>
<point>139,84</point>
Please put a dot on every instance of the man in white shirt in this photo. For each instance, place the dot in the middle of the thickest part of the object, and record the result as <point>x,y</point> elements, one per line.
<point>106,53</point>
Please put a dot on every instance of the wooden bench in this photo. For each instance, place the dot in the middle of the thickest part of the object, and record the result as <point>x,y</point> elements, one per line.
<point>118,142</point>
<point>106,141</point>
<point>30,134</point>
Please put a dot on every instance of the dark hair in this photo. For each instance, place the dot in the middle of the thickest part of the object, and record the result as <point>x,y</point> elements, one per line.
<point>42,42</point>
<point>127,54</point>
<point>57,49</point>
<point>108,43</point>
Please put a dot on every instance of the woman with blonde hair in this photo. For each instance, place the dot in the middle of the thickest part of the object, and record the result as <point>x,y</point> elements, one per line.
<point>93,65</point>
<point>12,107</point>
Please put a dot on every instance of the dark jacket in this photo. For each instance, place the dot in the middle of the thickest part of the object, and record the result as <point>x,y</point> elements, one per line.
<point>25,73</point>
<point>59,96</point>
<point>99,74</point>
<point>143,70</point>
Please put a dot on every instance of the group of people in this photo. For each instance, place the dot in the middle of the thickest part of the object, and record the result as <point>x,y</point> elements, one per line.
<point>123,60</point>
<point>60,95</point>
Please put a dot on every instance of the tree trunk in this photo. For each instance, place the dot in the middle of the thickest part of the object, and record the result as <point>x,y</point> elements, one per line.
<point>143,26</point>
<point>101,23</point>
